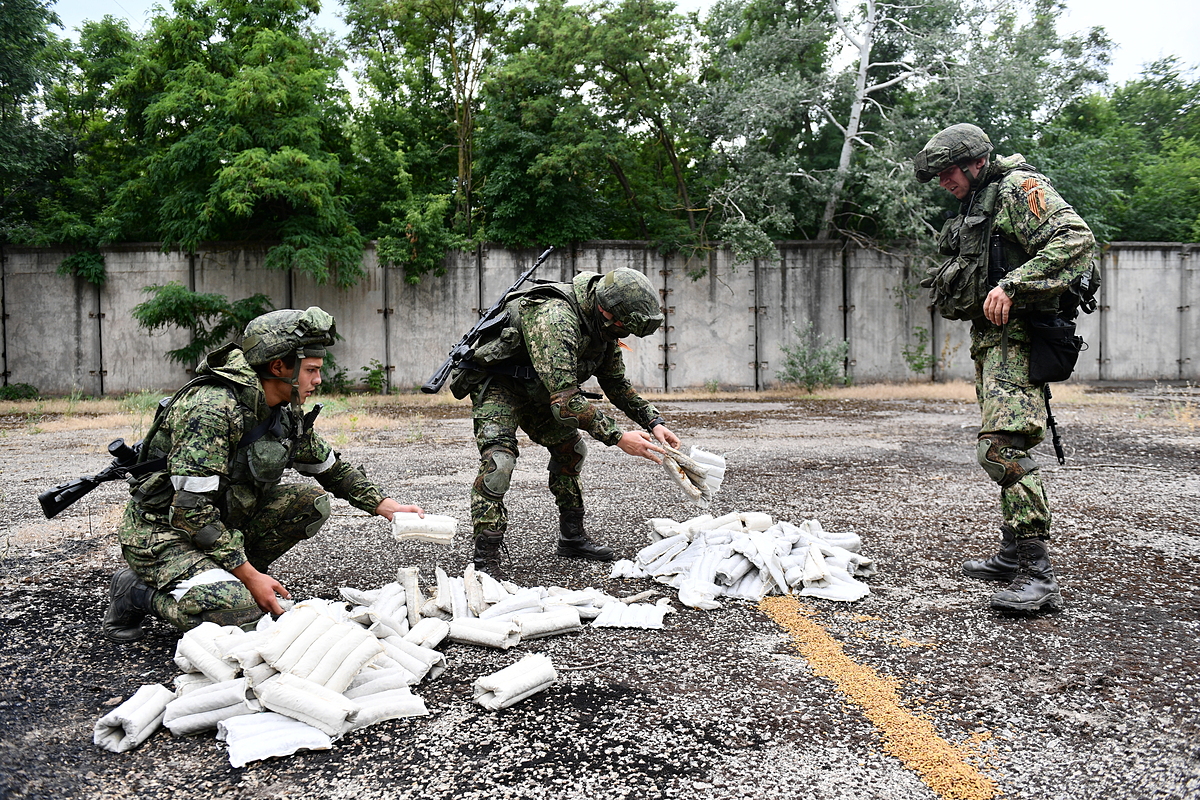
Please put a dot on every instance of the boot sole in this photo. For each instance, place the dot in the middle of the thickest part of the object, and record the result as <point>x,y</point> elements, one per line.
<point>991,576</point>
<point>1052,602</point>
<point>575,554</point>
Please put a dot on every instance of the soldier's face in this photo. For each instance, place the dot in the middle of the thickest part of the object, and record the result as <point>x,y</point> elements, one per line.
<point>310,377</point>
<point>954,181</point>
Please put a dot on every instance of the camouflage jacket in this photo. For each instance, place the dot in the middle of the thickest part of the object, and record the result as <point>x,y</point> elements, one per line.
<point>554,328</point>
<point>213,483</point>
<point>1046,243</point>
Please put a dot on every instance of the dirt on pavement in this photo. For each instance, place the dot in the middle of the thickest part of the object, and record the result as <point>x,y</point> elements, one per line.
<point>1100,700</point>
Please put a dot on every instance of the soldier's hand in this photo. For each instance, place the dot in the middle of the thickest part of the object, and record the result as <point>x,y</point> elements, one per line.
<point>640,443</point>
<point>265,590</point>
<point>389,507</point>
<point>996,306</point>
<point>665,436</point>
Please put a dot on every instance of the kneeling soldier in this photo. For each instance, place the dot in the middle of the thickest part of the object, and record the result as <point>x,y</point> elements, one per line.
<point>200,533</point>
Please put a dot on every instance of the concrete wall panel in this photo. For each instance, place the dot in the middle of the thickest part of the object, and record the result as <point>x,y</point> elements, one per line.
<point>52,324</point>
<point>727,328</point>
<point>430,317</point>
<point>713,336</point>
<point>134,359</point>
<point>805,285</point>
<point>1140,340</point>
<point>880,321</point>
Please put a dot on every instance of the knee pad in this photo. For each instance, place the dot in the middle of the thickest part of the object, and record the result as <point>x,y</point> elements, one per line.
<point>568,457</point>
<point>322,511</point>
<point>495,473</point>
<point>1004,458</point>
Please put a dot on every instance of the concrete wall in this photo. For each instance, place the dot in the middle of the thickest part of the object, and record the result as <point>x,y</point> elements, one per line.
<point>726,328</point>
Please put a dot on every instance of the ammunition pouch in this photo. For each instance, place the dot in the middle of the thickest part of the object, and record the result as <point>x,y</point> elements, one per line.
<point>1053,349</point>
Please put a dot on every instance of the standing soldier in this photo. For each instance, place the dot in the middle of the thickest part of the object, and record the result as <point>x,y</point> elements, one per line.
<point>551,338</point>
<point>1017,251</point>
<point>200,532</point>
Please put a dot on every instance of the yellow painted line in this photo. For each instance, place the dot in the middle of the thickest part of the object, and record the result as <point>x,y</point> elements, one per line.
<point>906,736</point>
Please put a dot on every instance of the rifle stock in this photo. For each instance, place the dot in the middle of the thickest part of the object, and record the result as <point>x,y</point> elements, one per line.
<point>466,345</point>
<point>125,463</point>
<point>55,501</point>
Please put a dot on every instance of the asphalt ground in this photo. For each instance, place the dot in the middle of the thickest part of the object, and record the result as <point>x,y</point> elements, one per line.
<point>917,691</point>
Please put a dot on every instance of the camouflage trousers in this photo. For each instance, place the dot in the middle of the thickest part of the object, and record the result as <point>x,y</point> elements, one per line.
<point>164,557</point>
<point>1011,403</point>
<point>498,409</point>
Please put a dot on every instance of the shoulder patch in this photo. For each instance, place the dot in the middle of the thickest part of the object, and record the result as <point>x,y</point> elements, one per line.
<point>1035,195</point>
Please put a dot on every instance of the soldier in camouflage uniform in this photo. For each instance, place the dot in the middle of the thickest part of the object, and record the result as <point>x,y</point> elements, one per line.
<point>200,533</point>
<point>526,373</point>
<point>1044,249</point>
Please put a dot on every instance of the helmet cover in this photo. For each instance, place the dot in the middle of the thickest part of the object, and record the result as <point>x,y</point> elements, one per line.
<point>958,144</point>
<point>630,297</point>
<point>279,334</point>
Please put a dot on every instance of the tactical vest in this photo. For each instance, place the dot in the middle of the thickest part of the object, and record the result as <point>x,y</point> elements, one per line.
<point>500,348</point>
<point>979,257</point>
<point>959,285</point>
<point>263,453</point>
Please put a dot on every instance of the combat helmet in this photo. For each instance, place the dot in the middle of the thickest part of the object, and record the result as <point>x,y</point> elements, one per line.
<point>289,331</point>
<point>630,297</point>
<point>958,144</point>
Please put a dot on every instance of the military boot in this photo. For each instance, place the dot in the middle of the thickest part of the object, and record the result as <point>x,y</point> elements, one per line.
<point>1034,587</point>
<point>1000,567</point>
<point>573,541</point>
<point>487,552</point>
<point>128,605</point>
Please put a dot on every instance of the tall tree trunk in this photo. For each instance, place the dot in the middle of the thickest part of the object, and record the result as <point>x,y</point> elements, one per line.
<point>862,43</point>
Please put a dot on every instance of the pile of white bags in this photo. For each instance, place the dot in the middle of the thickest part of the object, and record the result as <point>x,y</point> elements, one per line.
<point>323,669</point>
<point>747,556</point>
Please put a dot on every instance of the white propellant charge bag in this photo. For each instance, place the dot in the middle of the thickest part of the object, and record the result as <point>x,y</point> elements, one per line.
<point>268,735</point>
<point>309,702</point>
<point>202,709</point>
<point>432,528</point>
<point>698,473</point>
<point>313,646</point>
<point>514,683</point>
<point>132,722</point>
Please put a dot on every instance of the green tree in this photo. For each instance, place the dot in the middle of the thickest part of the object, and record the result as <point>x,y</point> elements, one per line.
<point>238,111</point>
<point>27,59</point>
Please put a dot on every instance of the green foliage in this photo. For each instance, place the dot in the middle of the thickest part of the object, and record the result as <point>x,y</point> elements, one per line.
<point>550,122</point>
<point>88,265</point>
<point>211,318</point>
<point>814,361</point>
<point>918,356</point>
<point>334,378</point>
<point>375,376</point>
<point>18,391</point>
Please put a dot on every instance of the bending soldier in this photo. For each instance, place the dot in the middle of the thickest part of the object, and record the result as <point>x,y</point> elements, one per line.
<point>200,534</point>
<point>1016,250</point>
<point>527,372</point>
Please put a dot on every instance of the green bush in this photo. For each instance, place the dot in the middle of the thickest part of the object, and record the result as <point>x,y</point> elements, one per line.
<point>18,391</point>
<point>814,360</point>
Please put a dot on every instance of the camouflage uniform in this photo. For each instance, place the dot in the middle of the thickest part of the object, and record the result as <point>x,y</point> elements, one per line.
<point>218,504</point>
<point>1016,233</point>
<point>1051,246</point>
<point>558,334</point>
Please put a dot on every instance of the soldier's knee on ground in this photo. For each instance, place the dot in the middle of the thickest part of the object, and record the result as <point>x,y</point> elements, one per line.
<point>568,457</point>
<point>224,602</point>
<point>1004,457</point>
<point>495,471</point>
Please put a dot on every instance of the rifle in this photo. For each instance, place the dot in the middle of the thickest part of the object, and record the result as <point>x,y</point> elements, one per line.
<point>466,345</point>
<point>124,464</point>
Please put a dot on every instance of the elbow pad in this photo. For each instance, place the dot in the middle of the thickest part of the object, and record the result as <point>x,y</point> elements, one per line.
<point>572,409</point>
